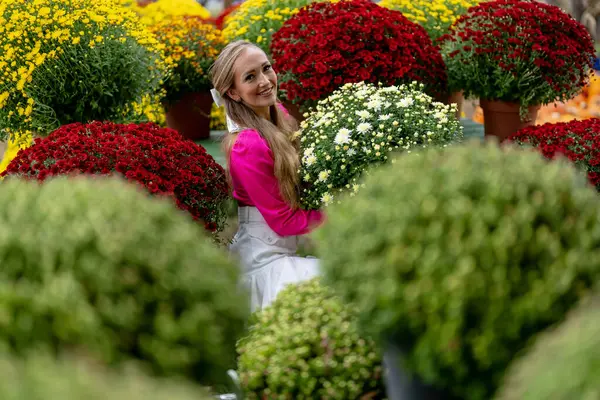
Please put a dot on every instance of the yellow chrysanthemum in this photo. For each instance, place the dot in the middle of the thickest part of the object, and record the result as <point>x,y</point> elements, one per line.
<point>436,16</point>
<point>20,141</point>
<point>193,46</point>
<point>257,20</point>
<point>166,9</point>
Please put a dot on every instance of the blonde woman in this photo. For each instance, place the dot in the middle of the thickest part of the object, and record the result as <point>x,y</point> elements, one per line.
<point>263,165</point>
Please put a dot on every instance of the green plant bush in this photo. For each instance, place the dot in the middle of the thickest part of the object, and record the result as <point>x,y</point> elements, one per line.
<point>98,265</point>
<point>306,346</point>
<point>460,256</point>
<point>40,377</point>
<point>564,363</point>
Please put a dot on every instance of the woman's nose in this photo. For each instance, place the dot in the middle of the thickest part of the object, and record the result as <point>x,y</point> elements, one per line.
<point>262,79</point>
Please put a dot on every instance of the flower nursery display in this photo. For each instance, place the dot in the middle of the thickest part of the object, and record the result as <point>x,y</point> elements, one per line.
<point>579,141</point>
<point>322,47</point>
<point>192,45</point>
<point>157,158</point>
<point>96,266</point>
<point>358,126</point>
<point>69,61</point>
<point>516,55</point>
<point>159,10</point>
<point>436,16</point>
<point>471,251</point>
<point>257,20</point>
<point>306,346</point>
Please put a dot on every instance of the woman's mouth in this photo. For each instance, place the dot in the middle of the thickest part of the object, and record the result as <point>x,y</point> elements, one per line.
<point>266,93</point>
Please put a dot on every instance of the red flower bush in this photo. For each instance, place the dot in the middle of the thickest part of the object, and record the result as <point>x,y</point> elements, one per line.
<point>327,45</point>
<point>519,51</point>
<point>158,158</point>
<point>579,141</point>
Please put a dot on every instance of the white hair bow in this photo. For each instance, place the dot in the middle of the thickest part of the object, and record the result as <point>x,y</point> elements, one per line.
<point>232,127</point>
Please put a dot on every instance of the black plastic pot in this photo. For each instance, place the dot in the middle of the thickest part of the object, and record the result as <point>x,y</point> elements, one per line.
<point>400,384</point>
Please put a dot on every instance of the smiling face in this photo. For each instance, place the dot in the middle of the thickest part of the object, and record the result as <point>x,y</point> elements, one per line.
<point>255,82</point>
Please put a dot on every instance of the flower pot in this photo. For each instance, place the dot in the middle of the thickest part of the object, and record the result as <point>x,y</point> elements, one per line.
<point>501,119</point>
<point>191,115</point>
<point>293,109</point>
<point>400,385</point>
<point>458,99</point>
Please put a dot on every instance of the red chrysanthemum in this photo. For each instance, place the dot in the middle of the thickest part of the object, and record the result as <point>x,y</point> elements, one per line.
<point>520,51</point>
<point>326,45</point>
<point>158,158</point>
<point>579,141</point>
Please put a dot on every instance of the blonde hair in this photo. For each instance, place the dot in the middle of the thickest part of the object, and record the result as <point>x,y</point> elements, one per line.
<point>278,132</point>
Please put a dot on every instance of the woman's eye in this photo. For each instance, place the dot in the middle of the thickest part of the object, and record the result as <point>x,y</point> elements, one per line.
<point>267,67</point>
<point>249,77</point>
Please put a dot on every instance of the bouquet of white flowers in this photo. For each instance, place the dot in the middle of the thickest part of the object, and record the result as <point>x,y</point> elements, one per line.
<point>358,126</point>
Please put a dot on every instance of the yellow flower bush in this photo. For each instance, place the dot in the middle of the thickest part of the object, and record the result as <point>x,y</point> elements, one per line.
<point>192,45</point>
<point>160,10</point>
<point>257,20</point>
<point>436,16</point>
<point>69,61</point>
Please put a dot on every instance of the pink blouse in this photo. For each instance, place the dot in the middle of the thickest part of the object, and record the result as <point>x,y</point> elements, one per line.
<point>254,184</point>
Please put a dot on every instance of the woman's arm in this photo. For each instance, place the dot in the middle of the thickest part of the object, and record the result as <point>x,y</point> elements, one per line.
<point>251,166</point>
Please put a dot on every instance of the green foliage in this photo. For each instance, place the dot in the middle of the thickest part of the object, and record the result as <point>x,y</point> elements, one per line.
<point>98,265</point>
<point>306,346</point>
<point>461,255</point>
<point>40,377</point>
<point>564,363</point>
<point>93,84</point>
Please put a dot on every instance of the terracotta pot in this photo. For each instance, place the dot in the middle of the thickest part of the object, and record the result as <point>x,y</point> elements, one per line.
<point>191,115</point>
<point>293,109</point>
<point>501,119</point>
<point>458,99</point>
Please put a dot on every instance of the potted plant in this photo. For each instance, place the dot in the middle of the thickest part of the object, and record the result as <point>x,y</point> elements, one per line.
<point>193,45</point>
<point>97,266</point>
<point>322,47</point>
<point>515,55</point>
<point>359,126</point>
<point>69,377</point>
<point>92,63</point>
<point>305,345</point>
<point>579,141</point>
<point>472,250</point>
<point>157,158</point>
<point>436,16</point>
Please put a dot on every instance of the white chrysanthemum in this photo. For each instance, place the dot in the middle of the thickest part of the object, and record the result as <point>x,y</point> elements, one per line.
<point>310,160</point>
<point>406,102</point>
<point>308,151</point>
<point>323,175</point>
<point>351,152</point>
<point>374,104</point>
<point>364,127</point>
<point>343,136</point>
<point>385,117</point>
<point>326,198</point>
<point>363,114</point>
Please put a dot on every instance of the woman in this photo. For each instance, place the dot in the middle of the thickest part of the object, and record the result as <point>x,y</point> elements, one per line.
<point>263,165</point>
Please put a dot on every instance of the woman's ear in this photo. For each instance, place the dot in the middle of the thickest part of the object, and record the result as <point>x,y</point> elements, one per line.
<point>232,93</point>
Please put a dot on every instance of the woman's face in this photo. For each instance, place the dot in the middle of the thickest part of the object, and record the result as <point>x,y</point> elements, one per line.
<point>255,82</point>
